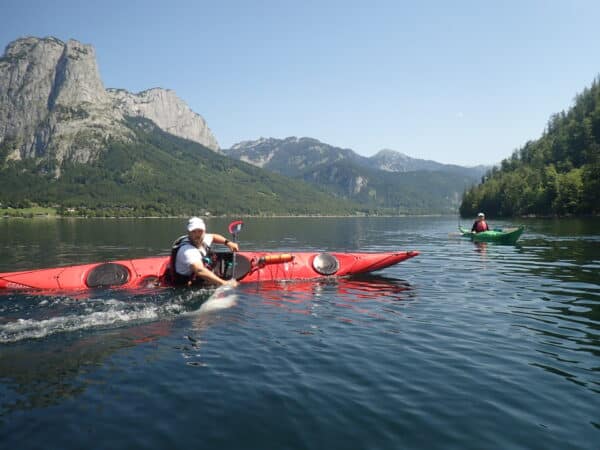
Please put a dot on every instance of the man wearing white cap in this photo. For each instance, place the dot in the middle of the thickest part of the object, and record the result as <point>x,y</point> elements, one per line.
<point>188,253</point>
<point>480,224</point>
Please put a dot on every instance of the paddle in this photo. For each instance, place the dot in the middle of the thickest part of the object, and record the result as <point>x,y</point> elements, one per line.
<point>234,229</point>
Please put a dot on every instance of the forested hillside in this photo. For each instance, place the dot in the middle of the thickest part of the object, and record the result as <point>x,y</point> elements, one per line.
<point>158,174</point>
<point>558,174</point>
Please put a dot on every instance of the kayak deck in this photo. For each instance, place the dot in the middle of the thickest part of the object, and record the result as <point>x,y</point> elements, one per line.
<point>247,267</point>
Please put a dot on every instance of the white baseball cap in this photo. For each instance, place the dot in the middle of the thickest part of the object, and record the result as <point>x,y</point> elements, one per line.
<point>481,215</point>
<point>195,223</point>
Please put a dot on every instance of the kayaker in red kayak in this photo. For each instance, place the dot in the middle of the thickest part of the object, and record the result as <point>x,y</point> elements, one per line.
<point>189,252</point>
<point>480,224</point>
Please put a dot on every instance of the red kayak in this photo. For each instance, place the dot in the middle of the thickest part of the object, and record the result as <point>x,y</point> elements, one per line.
<point>247,267</point>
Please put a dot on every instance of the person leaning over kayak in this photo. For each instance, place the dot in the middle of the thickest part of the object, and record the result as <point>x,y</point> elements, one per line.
<point>480,224</point>
<point>188,252</point>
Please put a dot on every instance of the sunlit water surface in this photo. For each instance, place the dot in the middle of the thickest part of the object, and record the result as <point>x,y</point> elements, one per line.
<point>465,346</point>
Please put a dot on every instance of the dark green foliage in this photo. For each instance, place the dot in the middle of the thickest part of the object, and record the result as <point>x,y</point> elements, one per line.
<point>158,174</point>
<point>559,174</point>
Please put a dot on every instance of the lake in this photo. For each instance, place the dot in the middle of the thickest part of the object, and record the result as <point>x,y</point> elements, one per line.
<point>467,346</point>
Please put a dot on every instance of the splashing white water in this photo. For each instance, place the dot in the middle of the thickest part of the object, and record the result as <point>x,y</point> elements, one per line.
<point>223,298</point>
<point>76,315</point>
<point>35,329</point>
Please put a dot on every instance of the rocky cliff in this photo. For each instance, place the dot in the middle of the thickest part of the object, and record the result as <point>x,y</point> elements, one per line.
<point>54,107</point>
<point>167,111</point>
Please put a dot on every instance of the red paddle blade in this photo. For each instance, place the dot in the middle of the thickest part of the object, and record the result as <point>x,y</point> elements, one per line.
<point>235,227</point>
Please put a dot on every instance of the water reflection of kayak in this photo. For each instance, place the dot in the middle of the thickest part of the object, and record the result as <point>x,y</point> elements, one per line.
<point>248,267</point>
<point>504,236</point>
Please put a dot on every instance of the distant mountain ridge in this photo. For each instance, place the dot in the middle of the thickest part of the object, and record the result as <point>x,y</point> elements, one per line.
<point>394,161</point>
<point>159,174</point>
<point>388,179</point>
<point>67,141</point>
<point>292,156</point>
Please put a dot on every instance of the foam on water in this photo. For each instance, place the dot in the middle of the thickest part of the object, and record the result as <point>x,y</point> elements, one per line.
<point>223,298</point>
<point>24,318</point>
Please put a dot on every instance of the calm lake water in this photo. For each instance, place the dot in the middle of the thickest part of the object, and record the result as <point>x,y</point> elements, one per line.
<point>463,347</point>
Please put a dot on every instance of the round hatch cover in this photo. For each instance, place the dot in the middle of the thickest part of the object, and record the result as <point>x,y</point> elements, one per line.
<point>107,274</point>
<point>326,264</point>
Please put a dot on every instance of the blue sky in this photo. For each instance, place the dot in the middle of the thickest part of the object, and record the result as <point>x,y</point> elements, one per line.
<point>463,82</point>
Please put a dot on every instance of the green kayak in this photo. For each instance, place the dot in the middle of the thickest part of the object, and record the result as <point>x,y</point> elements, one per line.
<point>504,236</point>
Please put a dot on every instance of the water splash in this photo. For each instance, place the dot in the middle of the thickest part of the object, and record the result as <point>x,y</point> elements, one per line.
<point>223,298</point>
<point>39,317</point>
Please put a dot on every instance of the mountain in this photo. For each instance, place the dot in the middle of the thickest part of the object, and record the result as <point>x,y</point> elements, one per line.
<point>166,110</point>
<point>388,179</point>
<point>67,142</point>
<point>292,156</point>
<point>393,161</point>
<point>418,192</point>
<point>555,175</point>
<point>155,173</point>
<point>54,108</point>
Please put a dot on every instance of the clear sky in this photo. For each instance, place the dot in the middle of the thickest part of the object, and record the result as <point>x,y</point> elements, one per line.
<point>463,82</point>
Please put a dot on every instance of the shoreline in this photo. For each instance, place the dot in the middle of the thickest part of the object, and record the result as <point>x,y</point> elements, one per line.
<point>231,216</point>
<point>283,216</point>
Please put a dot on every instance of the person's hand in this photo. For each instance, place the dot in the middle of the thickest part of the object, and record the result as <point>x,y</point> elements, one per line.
<point>233,246</point>
<point>232,283</point>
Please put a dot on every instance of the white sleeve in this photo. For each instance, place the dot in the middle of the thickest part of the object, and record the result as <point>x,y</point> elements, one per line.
<point>186,256</point>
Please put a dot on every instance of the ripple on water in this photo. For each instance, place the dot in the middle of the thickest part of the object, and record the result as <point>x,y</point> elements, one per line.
<point>465,346</point>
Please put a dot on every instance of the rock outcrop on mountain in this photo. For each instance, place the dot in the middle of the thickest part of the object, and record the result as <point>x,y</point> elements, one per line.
<point>290,156</point>
<point>54,107</point>
<point>167,111</point>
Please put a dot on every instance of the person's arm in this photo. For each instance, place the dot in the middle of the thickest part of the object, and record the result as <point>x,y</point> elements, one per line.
<point>474,227</point>
<point>219,239</point>
<point>206,274</point>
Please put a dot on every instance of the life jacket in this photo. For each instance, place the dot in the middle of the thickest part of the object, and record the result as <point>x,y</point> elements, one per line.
<point>175,277</point>
<point>481,225</point>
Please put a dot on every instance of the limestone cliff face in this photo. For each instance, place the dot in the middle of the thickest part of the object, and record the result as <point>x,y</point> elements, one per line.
<point>53,105</point>
<point>167,111</point>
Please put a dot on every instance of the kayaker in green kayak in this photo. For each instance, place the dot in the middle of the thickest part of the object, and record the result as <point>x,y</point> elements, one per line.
<point>480,224</point>
<point>481,232</point>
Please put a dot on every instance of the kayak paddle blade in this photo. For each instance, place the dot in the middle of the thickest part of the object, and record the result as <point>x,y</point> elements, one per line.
<point>235,227</point>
